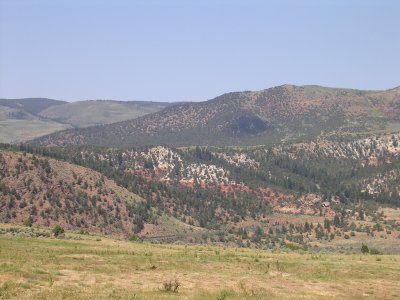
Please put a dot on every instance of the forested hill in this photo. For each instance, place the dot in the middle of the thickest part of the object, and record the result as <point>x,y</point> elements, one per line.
<point>248,118</point>
<point>47,192</point>
<point>258,197</point>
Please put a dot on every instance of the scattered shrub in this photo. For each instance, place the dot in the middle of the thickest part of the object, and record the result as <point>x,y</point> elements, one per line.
<point>57,230</point>
<point>292,247</point>
<point>134,238</point>
<point>171,286</point>
<point>364,249</point>
<point>28,222</point>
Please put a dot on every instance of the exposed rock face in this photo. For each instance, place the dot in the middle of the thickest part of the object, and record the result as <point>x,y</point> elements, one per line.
<point>369,151</point>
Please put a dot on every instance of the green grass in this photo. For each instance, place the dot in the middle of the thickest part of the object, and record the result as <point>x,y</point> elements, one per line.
<point>102,268</point>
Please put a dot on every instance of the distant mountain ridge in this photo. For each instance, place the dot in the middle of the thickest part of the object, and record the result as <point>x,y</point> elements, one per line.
<point>248,118</point>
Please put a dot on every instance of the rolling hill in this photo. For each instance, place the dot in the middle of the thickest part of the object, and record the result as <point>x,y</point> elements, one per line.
<point>249,118</point>
<point>31,105</point>
<point>53,192</point>
<point>19,119</point>
<point>97,112</point>
<point>26,119</point>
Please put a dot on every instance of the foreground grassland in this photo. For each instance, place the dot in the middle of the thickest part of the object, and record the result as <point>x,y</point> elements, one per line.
<point>101,268</point>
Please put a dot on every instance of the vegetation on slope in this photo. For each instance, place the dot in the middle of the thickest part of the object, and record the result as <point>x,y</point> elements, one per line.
<point>49,192</point>
<point>274,202</point>
<point>248,118</point>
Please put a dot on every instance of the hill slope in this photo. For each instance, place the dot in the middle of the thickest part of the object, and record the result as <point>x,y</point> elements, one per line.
<point>232,197</point>
<point>26,119</point>
<point>19,120</point>
<point>248,118</point>
<point>31,105</point>
<point>96,112</point>
<point>54,192</point>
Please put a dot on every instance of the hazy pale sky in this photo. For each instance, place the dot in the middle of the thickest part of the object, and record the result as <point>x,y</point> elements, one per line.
<point>181,50</point>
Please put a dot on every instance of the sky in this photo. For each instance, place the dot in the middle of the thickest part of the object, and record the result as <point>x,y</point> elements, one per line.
<point>182,50</point>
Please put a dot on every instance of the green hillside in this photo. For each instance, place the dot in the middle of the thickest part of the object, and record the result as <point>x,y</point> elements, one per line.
<point>18,123</point>
<point>25,119</point>
<point>31,105</point>
<point>92,112</point>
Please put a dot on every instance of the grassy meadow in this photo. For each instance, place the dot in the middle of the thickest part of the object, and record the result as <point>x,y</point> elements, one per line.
<point>13,131</point>
<point>93,267</point>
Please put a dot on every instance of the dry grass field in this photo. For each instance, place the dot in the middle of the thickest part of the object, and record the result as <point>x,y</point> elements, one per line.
<point>94,267</point>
